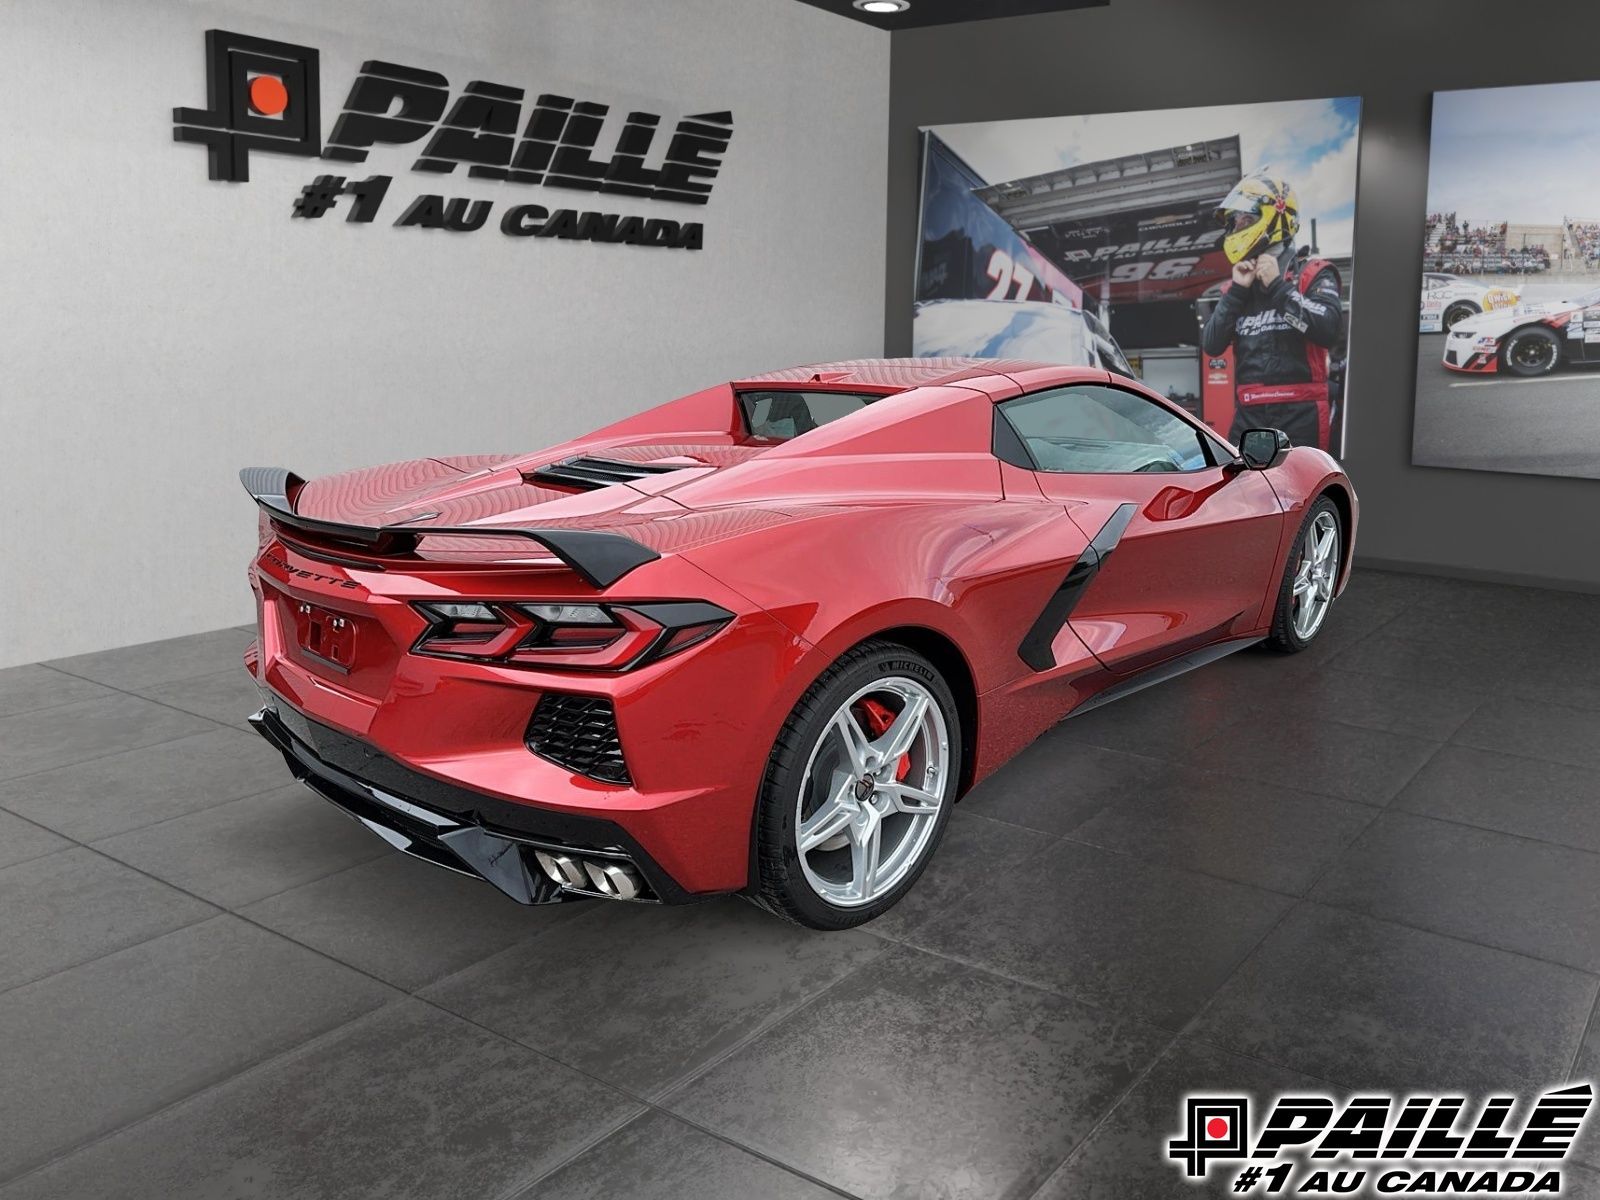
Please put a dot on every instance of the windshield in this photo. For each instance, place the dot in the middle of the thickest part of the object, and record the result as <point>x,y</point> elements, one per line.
<point>781,415</point>
<point>1587,298</point>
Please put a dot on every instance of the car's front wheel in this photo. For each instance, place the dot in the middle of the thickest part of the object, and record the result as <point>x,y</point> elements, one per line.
<point>1532,350</point>
<point>1309,579</point>
<point>1457,313</point>
<point>858,789</point>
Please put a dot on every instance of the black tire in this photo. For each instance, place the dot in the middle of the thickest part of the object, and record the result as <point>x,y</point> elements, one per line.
<point>1283,637</point>
<point>1531,350</point>
<point>1458,311</point>
<point>780,885</point>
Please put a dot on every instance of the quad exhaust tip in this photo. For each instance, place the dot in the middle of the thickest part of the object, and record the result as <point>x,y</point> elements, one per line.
<point>619,881</point>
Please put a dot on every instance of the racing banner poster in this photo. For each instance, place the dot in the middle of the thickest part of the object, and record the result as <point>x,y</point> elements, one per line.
<point>1204,251</point>
<point>1509,309</point>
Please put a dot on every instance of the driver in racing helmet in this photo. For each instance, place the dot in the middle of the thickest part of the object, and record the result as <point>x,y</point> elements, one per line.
<point>1280,313</point>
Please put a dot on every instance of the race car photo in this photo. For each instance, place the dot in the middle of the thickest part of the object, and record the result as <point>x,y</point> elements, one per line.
<point>761,639</point>
<point>1448,299</point>
<point>1530,339</point>
<point>1037,330</point>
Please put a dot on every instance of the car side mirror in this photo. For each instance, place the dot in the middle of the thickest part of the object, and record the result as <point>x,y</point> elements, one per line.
<point>1262,448</point>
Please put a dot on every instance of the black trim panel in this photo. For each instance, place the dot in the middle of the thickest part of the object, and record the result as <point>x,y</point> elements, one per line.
<point>1035,647</point>
<point>589,473</point>
<point>600,558</point>
<point>1163,671</point>
<point>316,751</point>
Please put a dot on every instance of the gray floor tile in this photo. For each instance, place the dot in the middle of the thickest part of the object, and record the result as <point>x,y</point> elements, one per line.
<point>1567,674</point>
<point>1057,783</point>
<point>921,1077</point>
<point>1519,617</point>
<point>21,840</point>
<point>1369,1004</point>
<point>1587,1065</point>
<point>26,689</point>
<point>1363,765</point>
<point>1110,930</point>
<point>642,995</point>
<point>1548,801</point>
<point>1586,1069</point>
<point>69,733</point>
<point>228,697</point>
<point>659,1158</point>
<point>975,853</point>
<point>406,1102</point>
<point>405,921</point>
<point>1260,834</point>
<point>1490,888</point>
<point>1455,665</point>
<point>1580,1182</point>
<point>1126,1157</point>
<point>95,799</point>
<point>102,1044</point>
<point>71,907</point>
<point>1555,732</point>
<point>131,667</point>
<point>249,849</point>
<point>1405,706</point>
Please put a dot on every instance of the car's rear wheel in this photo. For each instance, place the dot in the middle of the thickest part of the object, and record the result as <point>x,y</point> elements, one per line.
<point>858,789</point>
<point>1309,579</point>
<point>1457,313</point>
<point>1532,350</point>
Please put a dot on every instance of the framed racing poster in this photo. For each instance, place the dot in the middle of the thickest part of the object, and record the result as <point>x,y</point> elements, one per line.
<point>1204,251</point>
<point>1509,312</point>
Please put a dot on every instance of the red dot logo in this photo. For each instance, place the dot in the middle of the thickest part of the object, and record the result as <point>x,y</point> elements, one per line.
<point>1217,1128</point>
<point>268,96</point>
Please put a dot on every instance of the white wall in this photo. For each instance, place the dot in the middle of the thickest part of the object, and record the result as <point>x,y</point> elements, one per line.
<point>158,331</point>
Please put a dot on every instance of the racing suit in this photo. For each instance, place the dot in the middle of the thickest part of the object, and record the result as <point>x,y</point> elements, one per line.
<point>1280,336</point>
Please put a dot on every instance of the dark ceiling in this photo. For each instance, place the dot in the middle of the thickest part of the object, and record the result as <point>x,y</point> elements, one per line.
<point>949,12</point>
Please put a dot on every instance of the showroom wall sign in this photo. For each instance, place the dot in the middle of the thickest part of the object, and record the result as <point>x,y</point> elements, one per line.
<point>264,95</point>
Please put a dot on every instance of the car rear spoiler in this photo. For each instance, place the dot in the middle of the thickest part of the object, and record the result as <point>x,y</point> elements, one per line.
<point>600,558</point>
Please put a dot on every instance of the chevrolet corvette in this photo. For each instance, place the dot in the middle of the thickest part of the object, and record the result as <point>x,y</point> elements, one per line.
<point>1530,339</point>
<point>762,638</point>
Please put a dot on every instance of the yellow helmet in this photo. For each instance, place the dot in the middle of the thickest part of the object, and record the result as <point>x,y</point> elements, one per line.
<point>1260,211</point>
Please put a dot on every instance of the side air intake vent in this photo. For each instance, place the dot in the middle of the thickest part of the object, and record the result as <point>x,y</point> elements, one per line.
<point>590,473</point>
<point>579,733</point>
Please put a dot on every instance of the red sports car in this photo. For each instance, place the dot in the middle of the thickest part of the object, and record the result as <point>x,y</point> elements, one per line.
<point>762,638</point>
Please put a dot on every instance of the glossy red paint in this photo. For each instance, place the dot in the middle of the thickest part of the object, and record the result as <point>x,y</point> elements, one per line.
<point>898,521</point>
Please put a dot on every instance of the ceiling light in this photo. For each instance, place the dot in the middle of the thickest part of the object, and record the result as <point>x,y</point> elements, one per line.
<point>883,6</point>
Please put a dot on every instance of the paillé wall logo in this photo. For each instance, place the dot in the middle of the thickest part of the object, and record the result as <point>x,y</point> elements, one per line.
<point>263,95</point>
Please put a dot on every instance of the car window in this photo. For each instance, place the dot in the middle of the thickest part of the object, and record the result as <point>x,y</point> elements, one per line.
<point>781,415</point>
<point>1088,429</point>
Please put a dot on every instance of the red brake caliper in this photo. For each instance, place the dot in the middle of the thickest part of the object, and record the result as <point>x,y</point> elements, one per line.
<point>877,719</point>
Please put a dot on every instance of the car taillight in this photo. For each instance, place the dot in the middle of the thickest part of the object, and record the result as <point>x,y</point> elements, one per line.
<point>585,637</point>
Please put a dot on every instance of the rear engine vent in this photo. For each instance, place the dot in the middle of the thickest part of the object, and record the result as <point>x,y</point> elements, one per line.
<point>579,733</point>
<point>588,473</point>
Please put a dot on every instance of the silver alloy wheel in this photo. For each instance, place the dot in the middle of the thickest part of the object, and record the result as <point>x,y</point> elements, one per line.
<point>1314,578</point>
<point>859,828</point>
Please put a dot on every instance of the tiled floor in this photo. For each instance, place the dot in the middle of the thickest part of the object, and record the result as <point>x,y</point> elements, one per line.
<point>1376,864</point>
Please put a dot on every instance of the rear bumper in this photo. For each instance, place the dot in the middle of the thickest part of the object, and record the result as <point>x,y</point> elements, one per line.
<point>461,830</point>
